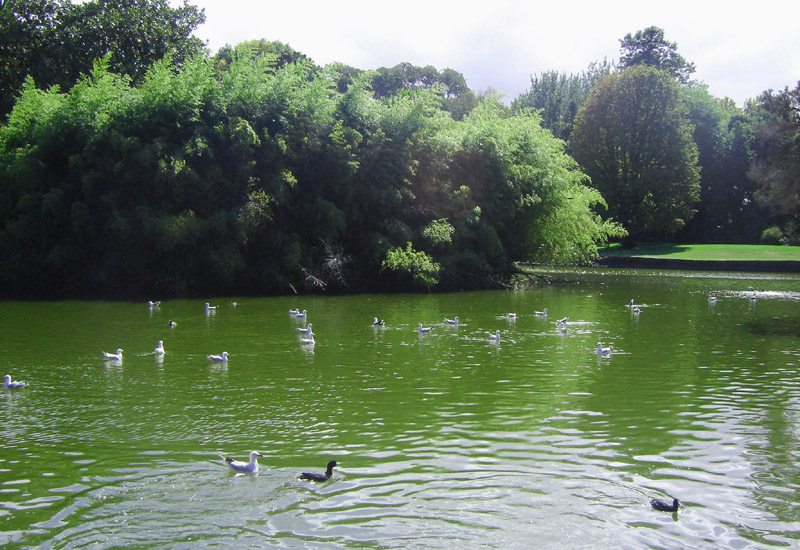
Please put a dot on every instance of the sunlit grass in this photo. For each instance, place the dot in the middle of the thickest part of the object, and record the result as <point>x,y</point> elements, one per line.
<point>717,252</point>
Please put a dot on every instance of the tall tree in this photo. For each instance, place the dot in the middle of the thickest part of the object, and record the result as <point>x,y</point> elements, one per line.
<point>632,138</point>
<point>649,47</point>
<point>776,167</point>
<point>727,211</point>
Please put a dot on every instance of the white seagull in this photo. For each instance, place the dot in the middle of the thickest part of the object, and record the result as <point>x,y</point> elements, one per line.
<point>210,307</point>
<point>113,356</point>
<point>154,304</point>
<point>244,467</point>
<point>494,337</point>
<point>563,321</point>
<point>218,358</point>
<point>542,313</point>
<point>636,310</point>
<point>300,315</point>
<point>453,321</point>
<point>511,315</point>
<point>423,330</point>
<point>159,348</point>
<point>630,304</point>
<point>604,351</point>
<point>378,323</point>
<point>294,311</point>
<point>173,324</point>
<point>306,330</point>
<point>9,385</point>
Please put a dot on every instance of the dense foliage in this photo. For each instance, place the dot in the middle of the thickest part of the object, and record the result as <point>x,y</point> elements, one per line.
<point>634,140</point>
<point>777,146</point>
<point>57,41</point>
<point>265,178</point>
<point>557,96</point>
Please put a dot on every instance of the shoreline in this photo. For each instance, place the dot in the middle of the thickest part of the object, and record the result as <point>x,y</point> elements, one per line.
<point>775,266</point>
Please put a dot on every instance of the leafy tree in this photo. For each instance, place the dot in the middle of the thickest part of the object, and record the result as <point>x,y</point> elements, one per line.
<point>55,41</point>
<point>649,47</point>
<point>776,166</point>
<point>727,211</point>
<point>632,138</point>
<point>28,31</point>
<point>557,97</point>
<point>422,269</point>
<point>529,191</point>
<point>449,84</point>
<point>282,54</point>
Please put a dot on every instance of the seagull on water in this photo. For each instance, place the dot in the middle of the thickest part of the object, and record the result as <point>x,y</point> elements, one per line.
<point>542,313</point>
<point>636,310</point>
<point>154,304</point>
<point>113,356</point>
<point>423,330</point>
<point>244,467</point>
<point>511,315</point>
<point>294,311</point>
<point>159,348</point>
<point>218,358</point>
<point>662,506</point>
<point>494,337</point>
<point>563,321</point>
<point>173,324</point>
<point>320,477</point>
<point>210,307</point>
<point>378,323</point>
<point>306,330</point>
<point>453,321</point>
<point>604,351</point>
<point>12,385</point>
<point>300,315</point>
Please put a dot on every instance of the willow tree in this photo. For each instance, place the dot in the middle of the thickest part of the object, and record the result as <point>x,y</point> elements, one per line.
<point>633,139</point>
<point>529,190</point>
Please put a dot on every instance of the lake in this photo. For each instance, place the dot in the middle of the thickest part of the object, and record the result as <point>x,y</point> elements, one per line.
<point>443,439</point>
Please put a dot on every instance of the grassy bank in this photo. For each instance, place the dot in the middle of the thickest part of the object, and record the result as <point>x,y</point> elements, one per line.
<point>706,252</point>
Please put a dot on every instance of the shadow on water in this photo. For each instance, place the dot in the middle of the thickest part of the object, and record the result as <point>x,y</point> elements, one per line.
<point>774,326</point>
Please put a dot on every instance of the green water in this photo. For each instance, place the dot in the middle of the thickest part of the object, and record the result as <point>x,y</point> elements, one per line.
<point>443,439</point>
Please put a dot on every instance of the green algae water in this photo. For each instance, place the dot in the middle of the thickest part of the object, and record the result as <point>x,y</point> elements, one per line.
<point>443,439</point>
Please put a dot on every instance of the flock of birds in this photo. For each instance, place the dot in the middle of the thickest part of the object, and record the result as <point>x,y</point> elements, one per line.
<point>307,338</point>
<point>307,335</point>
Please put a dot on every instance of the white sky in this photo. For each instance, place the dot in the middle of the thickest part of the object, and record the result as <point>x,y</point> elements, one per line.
<point>739,48</point>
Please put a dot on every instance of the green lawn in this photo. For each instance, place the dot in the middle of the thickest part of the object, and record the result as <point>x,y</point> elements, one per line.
<point>719,252</point>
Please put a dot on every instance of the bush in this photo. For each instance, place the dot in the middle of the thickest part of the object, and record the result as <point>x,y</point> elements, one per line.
<point>772,235</point>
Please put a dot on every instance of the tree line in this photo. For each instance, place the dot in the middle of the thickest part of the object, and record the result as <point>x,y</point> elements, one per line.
<point>134,162</point>
<point>674,162</point>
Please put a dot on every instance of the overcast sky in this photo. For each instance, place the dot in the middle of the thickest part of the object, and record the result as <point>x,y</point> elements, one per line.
<point>739,48</point>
